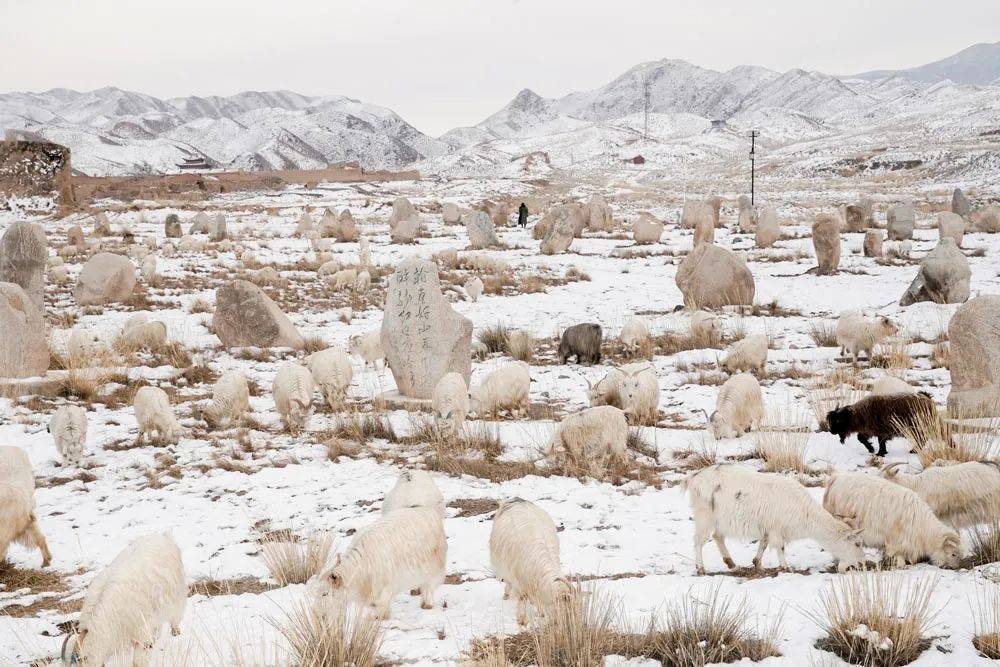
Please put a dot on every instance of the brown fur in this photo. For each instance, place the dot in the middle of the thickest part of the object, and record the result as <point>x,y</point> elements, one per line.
<point>883,417</point>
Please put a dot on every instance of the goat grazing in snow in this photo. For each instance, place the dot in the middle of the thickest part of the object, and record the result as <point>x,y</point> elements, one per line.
<point>332,372</point>
<point>738,408</point>
<point>293,390</point>
<point>154,413</point>
<point>640,394</point>
<point>748,354</point>
<point>414,488</point>
<point>17,504</point>
<point>733,501</point>
<point>857,334</point>
<point>961,495</point>
<point>506,388</point>
<point>68,427</point>
<point>450,403</point>
<point>230,398</point>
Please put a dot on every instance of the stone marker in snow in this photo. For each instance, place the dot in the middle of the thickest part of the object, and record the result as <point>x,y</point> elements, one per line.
<point>172,227</point>
<point>826,241</point>
<point>960,203</point>
<point>102,227</point>
<point>200,224</point>
<point>943,276</point>
<point>899,222</point>
<point>347,227</point>
<point>854,218</point>
<point>873,243</point>
<point>974,359</point>
<point>105,278</point>
<point>74,236</point>
<point>24,349</point>
<point>561,230</point>
<point>951,226</point>
<point>23,255</point>
<point>450,213</point>
<point>768,228</point>
<point>328,225</point>
<point>600,218</point>
<point>405,231</point>
<point>423,337</point>
<point>246,317</point>
<point>646,229</point>
<point>402,209</point>
<point>480,230</point>
<point>711,277</point>
<point>217,230</point>
<point>304,225</point>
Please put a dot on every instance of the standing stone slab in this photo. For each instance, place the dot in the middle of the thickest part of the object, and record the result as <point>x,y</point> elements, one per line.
<point>200,224</point>
<point>600,217</point>
<point>561,231</point>
<point>873,243</point>
<point>217,231</point>
<point>768,228</point>
<point>402,209</point>
<point>246,317</point>
<point>900,220</point>
<point>854,218</point>
<point>480,229</point>
<point>329,225</point>
<point>24,349</point>
<point>23,256</point>
<point>951,226</point>
<point>105,278</point>
<point>172,227</point>
<point>304,225</point>
<point>74,236</point>
<point>943,277</point>
<point>405,231</point>
<point>450,213</point>
<point>347,227</point>
<point>712,277</point>
<point>423,337</point>
<point>826,241</point>
<point>646,229</point>
<point>974,359</point>
<point>960,203</point>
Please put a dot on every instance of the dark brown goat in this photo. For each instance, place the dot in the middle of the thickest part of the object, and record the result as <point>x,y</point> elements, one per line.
<point>885,417</point>
<point>582,341</point>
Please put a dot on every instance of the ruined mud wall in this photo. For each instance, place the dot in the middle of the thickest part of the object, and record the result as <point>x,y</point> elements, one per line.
<point>36,169</point>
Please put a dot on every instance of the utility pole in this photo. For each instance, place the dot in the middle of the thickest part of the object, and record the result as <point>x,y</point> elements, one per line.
<point>646,98</point>
<point>753,137</point>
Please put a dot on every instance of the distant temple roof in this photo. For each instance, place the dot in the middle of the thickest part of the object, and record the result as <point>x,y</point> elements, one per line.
<point>194,163</point>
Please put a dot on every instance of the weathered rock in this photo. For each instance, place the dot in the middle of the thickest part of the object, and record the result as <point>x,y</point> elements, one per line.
<point>246,317</point>
<point>900,220</point>
<point>561,230</point>
<point>747,220</point>
<point>24,349</point>
<point>347,227</point>
<point>826,241</point>
<point>329,225</point>
<point>304,225</point>
<point>500,214</point>
<point>987,219</point>
<point>600,218</point>
<point>704,227</point>
<point>768,228</point>
<point>102,227</point>
<point>23,255</point>
<point>646,229</point>
<point>402,209</point>
<point>951,226</point>
<point>74,237</point>
<point>172,227</point>
<point>974,361</point>
<point>711,277</point>
<point>480,230</point>
<point>960,203</point>
<point>405,231</point>
<point>217,231</point>
<point>854,218</point>
<point>200,224</point>
<point>873,243</point>
<point>422,336</point>
<point>943,276</point>
<point>105,278</point>
<point>450,213</point>
<point>695,210</point>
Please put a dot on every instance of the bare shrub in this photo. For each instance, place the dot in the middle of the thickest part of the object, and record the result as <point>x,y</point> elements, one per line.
<point>200,305</point>
<point>823,333</point>
<point>940,355</point>
<point>875,618</point>
<point>702,454</point>
<point>893,355</point>
<point>783,442</point>
<point>314,344</point>
<point>495,338</point>
<point>361,427</point>
<point>295,562</point>
<point>943,441</point>
<point>333,637</point>
<point>831,393</point>
<point>987,617</point>
<point>521,346</point>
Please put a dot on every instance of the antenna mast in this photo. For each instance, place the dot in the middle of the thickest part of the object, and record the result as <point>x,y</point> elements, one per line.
<point>753,137</point>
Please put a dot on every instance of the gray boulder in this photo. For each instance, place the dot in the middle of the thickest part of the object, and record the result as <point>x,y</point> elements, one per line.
<point>105,278</point>
<point>943,277</point>
<point>974,358</point>
<point>873,243</point>
<point>23,255</point>
<point>826,241</point>
<point>24,349</point>
<point>900,220</point>
<point>172,227</point>
<point>479,226</point>
<point>712,277</point>
<point>246,317</point>
<point>960,203</point>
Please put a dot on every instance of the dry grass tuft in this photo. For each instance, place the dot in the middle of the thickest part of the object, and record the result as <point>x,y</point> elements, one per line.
<point>521,346</point>
<point>293,561</point>
<point>783,443</point>
<point>832,393</point>
<point>702,454</point>
<point>892,356</point>
<point>823,333</point>
<point>495,338</point>
<point>331,637</point>
<point>314,344</point>
<point>670,343</point>
<point>361,427</point>
<point>80,387</point>
<point>200,305</point>
<point>879,619</point>
<point>950,443</point>
<point>941,355</point>
<point>987,617</point>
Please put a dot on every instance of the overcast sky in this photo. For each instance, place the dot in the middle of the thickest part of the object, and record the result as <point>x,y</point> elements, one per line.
<point>446,63</point>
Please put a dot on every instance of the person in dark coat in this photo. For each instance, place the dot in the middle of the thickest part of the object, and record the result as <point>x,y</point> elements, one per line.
<point>522,215</point>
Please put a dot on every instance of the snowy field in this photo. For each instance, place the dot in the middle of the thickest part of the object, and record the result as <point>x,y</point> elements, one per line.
<point>219,491</point>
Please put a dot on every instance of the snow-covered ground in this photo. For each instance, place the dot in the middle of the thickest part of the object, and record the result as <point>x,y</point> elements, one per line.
<point>631,540</point>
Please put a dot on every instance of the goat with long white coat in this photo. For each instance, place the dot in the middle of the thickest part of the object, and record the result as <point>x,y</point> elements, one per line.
<point>450,403</point>
<point>129,602</point>
<point>640,393</point>
<point>961,495</point>
<point>230,398</point>
<point>893,518</point>
<point>367,346</point>
<point>154,414</point>
<point>593,434</point>
<point>68,427</point>
<point>733,501</point>
<point>506,388</point>
<point>17,504</point>
<point>634,335</point>
<point>739,407</point>
<point>705,325</point>
<point>607,390</point>
<point>405,549</point>
<point>293,391</point>
<point>524,554</point>
<point>332,372</point>
<point>414,488</point>
<point>857,334</point>
<point>889,384</point>
<point>748,354</point>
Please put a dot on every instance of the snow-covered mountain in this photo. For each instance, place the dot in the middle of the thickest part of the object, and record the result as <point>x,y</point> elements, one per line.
<point>979,64</point>
<point>112,131</point>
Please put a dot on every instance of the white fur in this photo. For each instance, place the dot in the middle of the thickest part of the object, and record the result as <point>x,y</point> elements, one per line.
<point>634,334</point>
<point>892,517</point>
<point>364,252</point>
<point>888,384</point>
<point>593,433</point>
<point>293,390</point>
<point>149,272</point>
<point>17,504</point>
<point>332,372</point>
<point>363,283</point>
<point>506,388</point>
<point>368,347</point>
<point>230,397</point>
<point>961,495</point>
<point>86,345</point>
<point>153,412</point>
<point>607,391</point>
<point>345,279</point>
<point>474,288</point>
<point>524,554</point>
<point>748,354</point>
<point>704,324</point>
<point>129,601</point>
<point>68,427</point>
<point>733,501</point>
<point>640,393</point>
<point>450,403</point>
<point>857,334</point>
<point>738,408</point>
<point>414,488</point>
<point>149,336</point>
<point>328,268</point>
<point>405,549</point>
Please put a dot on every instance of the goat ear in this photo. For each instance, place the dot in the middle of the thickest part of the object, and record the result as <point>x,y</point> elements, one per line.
<point>336,580</point>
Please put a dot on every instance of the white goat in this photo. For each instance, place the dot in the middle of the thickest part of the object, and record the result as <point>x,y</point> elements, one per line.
<point>450,403</point>
<point>506,388</point>
<point>128,603</point>
<point>705,325</point>
<point>738,408</point>
<point>892,517</point>
<point>148,336</point>
<point>363,283</point>
<point>414,488</point>
<point>17,504</point>
<point>364,252</point>
<point>230,398</point>
<point>68,427</point>
<point>592,434</point>
<point>524,554</point>
<point>405,549</point>
<point>607,391</point>
<point>345,279</point>
<point>748,354</point>
<point>293,391</point>
<point>889,384</point>
<point>474,288</point>
<point>153,413</point>
<point>634,335</point>
<point>332,371</point>
<point>961,495</point>
<point>87,347</point>
<point>149,273</point>
<point>367,346</point>
<point>328,268</point>
<point>640,393</point>
<point>857,334</point>
<point>733,501</point>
